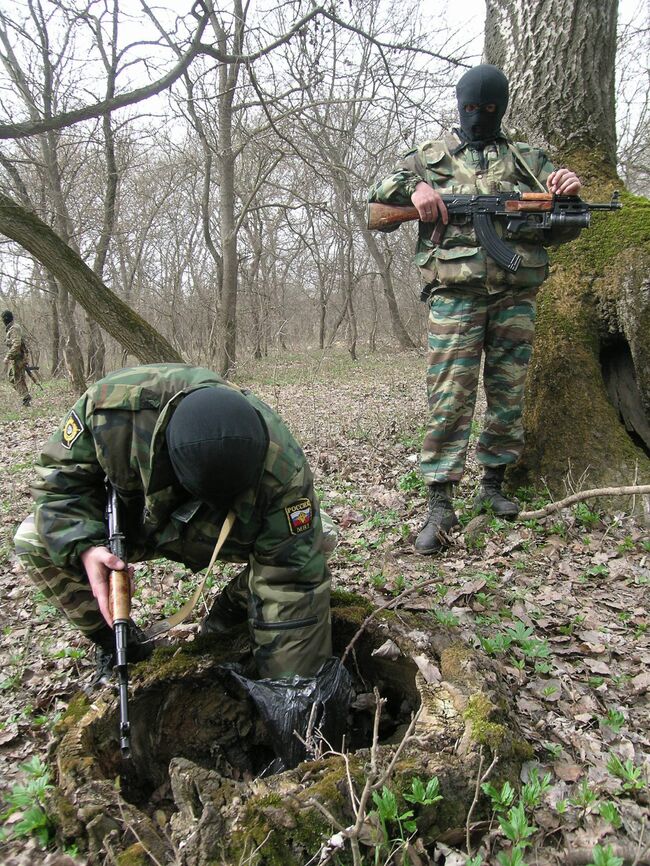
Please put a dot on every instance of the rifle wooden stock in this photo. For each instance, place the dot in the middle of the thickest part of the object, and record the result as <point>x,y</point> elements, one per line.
<point>386,217</point>
<point>119,598</point>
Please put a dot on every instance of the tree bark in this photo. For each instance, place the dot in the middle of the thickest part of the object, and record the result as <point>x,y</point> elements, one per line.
<point>73,275</point>
<point>228,75</point>
<point>559,57</point>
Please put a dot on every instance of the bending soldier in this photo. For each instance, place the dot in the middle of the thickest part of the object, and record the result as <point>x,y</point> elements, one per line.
<point>17,356</point>
<point>475,306</point>
<point>182,448</point>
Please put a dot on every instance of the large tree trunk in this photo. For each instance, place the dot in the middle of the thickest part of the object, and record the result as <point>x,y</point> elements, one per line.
<point>594,311</point>
<point>74,275</point>
<point>559,56</point>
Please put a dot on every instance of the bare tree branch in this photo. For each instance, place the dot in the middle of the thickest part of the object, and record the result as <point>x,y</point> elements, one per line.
<point>74,275</point>
<point>88,112</point>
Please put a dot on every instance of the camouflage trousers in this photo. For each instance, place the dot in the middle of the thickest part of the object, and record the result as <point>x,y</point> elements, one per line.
<point>462,327</point>
<point>68,591</point>
<point>289,622</point>
<point>16,375</point>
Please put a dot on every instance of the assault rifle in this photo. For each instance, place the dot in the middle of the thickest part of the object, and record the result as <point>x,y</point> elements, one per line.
<point>34,375</point>
<point>537,210</point>
<point>119,601</point>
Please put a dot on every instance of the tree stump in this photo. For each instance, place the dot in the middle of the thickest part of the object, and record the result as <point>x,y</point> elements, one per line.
<point>193,794</point>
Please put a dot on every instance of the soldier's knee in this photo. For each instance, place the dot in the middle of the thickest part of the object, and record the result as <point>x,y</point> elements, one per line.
<point>28,545</point>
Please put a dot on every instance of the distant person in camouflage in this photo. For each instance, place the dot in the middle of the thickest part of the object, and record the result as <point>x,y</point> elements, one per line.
<point>475,305</point>
<point>17,356</point>
<point>182,448</point>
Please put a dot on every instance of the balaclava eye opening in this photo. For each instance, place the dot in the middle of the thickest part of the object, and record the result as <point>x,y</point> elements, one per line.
<point>481,86</point>
<point>217,444</point>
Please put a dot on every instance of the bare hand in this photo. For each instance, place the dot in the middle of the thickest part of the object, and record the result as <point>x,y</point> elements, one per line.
<point>429,204</point>
<point>99,562</point>
<point>563,182</point>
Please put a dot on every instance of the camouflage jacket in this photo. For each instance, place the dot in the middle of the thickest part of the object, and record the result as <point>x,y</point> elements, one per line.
<point>15,340</point>
<point>450,168</point>
<point>117,430</point>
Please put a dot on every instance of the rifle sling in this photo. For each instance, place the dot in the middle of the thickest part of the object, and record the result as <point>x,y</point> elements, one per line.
<point>181,615</point>
<point>524,165</point>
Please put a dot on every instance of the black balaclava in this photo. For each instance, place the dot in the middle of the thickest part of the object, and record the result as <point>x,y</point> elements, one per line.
<point>217,444</point>
<point>480,86</point>
<point>7,317</point>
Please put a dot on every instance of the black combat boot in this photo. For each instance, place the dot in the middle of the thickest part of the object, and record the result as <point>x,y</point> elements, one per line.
<point>225,618</point>
<point>490,497</point>
<point>137,650</point>
<point>27,399</point>
<point>442,518</point>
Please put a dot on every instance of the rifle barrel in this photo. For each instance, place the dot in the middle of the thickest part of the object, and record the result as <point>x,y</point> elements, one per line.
<point>125,725</point>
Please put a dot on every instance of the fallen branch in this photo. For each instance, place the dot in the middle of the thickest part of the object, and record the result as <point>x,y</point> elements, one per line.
<point>630,490</point>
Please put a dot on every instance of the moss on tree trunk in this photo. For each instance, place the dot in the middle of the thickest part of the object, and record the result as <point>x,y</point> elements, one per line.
<point>597,293</point>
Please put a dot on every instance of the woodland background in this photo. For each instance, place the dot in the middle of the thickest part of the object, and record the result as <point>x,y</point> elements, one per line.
<point>190,183</point>
<point>228,209</point>
<point>194,186</point>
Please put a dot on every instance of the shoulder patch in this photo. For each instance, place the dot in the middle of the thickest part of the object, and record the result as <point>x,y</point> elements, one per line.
<point>299,516</point>
<point>72,430</point>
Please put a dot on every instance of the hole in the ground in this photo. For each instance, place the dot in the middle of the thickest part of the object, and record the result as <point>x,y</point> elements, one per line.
<point>201,716</point>
<point>623,391</point>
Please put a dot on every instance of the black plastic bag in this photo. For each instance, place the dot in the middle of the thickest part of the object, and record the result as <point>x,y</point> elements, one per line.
<point>285,706</point>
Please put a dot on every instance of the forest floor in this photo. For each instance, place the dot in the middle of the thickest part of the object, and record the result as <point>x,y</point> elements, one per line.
<point>561,604</point>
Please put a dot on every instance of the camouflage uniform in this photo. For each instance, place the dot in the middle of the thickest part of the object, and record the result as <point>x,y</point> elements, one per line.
<point>16,359</point>
<point>117,430</point>
<point>475,305</point>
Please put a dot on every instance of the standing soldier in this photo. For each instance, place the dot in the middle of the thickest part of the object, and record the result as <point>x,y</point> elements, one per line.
<point>475,305</point>
<point>17,356</point>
